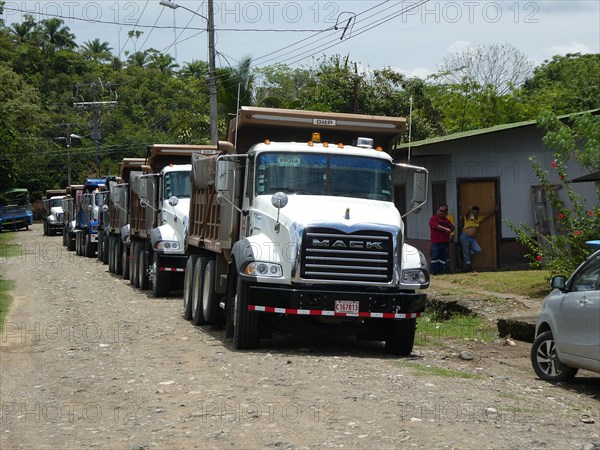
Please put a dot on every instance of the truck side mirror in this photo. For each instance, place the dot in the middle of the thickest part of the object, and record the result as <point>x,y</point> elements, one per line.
<point>224,175</point>
<point>173,200</point>
<point>420,187</point>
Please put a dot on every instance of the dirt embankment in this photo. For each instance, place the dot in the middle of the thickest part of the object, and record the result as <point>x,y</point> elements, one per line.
<point>86,361</point>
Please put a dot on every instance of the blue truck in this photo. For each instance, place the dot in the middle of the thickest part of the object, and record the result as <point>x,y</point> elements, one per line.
<point>15,209</point>
<point>86,220</point>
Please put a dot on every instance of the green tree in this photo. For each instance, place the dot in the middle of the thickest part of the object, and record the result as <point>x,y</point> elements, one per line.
<point>96,50</point>
<point>578,221</point>
<point>565,84</point>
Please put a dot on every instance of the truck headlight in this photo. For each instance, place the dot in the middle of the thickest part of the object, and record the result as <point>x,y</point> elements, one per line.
<point>414,276</point>
<point>263,269</point>
<point>167,246</point>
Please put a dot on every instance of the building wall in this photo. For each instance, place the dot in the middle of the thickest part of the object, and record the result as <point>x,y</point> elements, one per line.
<point>503,156</point>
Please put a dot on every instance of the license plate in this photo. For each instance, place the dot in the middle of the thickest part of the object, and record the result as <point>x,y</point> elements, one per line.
<point>346,306</point>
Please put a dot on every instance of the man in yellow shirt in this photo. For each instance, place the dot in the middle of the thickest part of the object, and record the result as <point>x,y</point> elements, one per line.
<point>468,245</point>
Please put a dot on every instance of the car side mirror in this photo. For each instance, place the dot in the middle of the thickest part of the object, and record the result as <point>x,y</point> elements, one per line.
<point>558,282</point>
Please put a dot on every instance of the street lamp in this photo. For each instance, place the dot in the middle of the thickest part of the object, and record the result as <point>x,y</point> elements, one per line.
<point>67,141</point>
<point>212,84</point>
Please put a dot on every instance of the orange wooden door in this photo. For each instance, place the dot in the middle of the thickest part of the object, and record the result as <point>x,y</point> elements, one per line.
<point>482,194</point>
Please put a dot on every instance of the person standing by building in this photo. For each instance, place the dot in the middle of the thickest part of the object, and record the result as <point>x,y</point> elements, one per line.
<point>468,245</point>
<point>440,230</point>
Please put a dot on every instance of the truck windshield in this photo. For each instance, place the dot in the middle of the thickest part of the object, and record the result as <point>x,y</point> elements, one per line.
<point>177,184</point>
<point>54,202</point>
<point>324,174</point>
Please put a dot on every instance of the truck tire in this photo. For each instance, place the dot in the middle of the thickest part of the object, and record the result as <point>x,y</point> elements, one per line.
<point>70,241</point>
<point>124,260</point>
<point>105,251</point>
<point>134,252</point>
<point>89,247</point>
<point>188,281</point>
<point>400,336</point>
<point>111,254</point>
<point>245,332</point>
<point>197,288</point>
<point>117,252</point>
<point>161,281</point>
<point>46,228</point>
<point>79,244</point>
<point>99,249</point>
<point>143,279</point>
<point>210,305</point>
<point>64,235</point>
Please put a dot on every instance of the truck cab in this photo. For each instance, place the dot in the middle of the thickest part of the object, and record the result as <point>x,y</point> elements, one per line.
<point>86,239</point>
<point>53,212</point>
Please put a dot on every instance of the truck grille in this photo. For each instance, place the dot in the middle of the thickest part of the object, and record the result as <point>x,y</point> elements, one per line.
<point>362,256</point>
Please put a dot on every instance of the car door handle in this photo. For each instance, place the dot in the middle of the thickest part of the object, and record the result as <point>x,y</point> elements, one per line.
<point>583,300</point>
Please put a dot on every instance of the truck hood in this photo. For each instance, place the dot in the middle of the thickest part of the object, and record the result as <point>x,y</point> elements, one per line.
<point>344,212</point>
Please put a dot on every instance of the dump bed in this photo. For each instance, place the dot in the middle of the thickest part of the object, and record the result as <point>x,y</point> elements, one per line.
<point>253,125</point>
<point>142,220</point>
<point>55,193</point>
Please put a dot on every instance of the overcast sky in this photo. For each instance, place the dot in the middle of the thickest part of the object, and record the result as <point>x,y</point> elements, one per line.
<point>412,37</point>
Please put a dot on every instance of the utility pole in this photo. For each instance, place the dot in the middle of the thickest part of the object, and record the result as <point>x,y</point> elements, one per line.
<point>212,78</point>
<point>96,108</point>
<point>67,138</point>
<point>212,83</point>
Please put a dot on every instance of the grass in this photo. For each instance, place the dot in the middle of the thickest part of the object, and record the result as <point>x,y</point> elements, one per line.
<point>436,371</point>
<point>530,283</point>
<point>6,250</point>
<point>435,327</point>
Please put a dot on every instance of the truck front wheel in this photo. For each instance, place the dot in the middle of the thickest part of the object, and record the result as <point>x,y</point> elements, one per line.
<point>71,243</point>
<point>245,332</point>
<point>400,336</point>
<point>160,280</point>
<point>88,248</point>
<point>143,269</point>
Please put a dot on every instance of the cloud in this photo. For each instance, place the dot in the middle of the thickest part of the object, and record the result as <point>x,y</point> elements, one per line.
<point>571,47</point>
<point>458,46</point>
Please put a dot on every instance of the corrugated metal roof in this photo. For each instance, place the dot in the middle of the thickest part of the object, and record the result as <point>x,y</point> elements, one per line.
<point>480,131</point>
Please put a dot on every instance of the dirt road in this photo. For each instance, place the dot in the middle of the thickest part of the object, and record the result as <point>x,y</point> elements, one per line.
<point>86,361</point>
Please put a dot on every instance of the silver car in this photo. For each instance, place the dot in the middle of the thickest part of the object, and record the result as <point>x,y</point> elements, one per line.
<point>567,331</point>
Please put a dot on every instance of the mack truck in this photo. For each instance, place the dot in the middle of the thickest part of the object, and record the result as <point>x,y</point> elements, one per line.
<point>292,226</point>
<point>159,208</point>
<point>69,206</point>
<point>115,241</point>
<point>53,211</point>
<point>86,220</point>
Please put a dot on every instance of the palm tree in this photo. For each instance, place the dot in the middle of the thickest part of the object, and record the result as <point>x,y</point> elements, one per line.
<point>22,31</point>
<point>53,32</point>
<point>137,59</point>
<point>165,63</point>
<point>96,50</point>
<point>232,81</point>
<point>194,69</point>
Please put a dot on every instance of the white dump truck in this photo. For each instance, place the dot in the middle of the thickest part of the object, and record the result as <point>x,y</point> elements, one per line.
<point>159,207</point>
<point>53,211</point>
<point>293,226</point>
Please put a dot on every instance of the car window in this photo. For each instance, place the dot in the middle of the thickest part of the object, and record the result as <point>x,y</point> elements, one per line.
<point>587,278</point>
